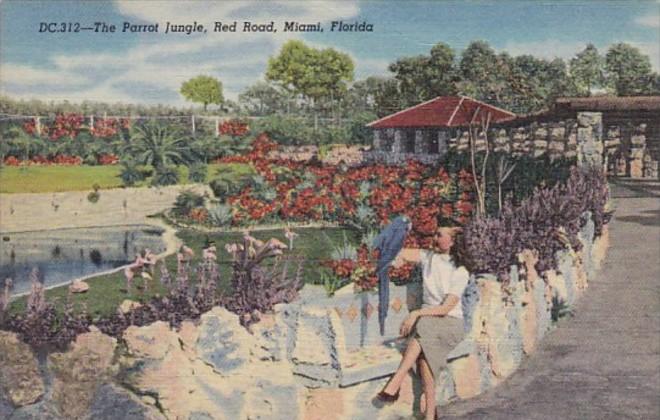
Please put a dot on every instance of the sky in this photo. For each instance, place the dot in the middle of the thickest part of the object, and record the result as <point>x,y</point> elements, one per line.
<point>150,67</point>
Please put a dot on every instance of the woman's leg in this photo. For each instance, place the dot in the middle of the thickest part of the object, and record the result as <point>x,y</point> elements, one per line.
<point>429,387</point>
<point>407,362</point>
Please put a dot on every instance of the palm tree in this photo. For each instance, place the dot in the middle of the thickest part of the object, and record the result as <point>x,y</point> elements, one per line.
<point>156,145</point>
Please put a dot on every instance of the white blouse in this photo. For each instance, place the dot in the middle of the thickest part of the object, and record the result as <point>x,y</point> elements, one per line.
<point>441,276</point>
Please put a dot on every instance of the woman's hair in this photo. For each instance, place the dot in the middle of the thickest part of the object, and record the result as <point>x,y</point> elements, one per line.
<point>456,233</point>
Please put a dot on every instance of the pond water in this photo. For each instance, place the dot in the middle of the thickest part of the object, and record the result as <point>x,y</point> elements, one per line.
<point>65,254</point>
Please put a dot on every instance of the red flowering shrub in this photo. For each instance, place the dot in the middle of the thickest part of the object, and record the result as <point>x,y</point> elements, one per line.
<point>65,125</point>
<point>104,128</point>
<point>12,161</point>
<point>234,128</point>
<point>108,159</point>
<point>199,214</point>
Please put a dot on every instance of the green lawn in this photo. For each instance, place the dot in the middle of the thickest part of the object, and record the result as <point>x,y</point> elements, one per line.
<point>42,179</point>
<point>105,293</point>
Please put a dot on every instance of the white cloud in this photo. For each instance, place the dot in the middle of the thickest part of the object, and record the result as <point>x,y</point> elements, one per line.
<point>650,21</point>
<point>25,75</point>
<point>163,60</point>
<point>207,12</point>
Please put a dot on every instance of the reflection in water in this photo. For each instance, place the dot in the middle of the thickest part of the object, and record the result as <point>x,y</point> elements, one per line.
<point>95,257</point>
<point>60,255</point>
<point>57,251</point>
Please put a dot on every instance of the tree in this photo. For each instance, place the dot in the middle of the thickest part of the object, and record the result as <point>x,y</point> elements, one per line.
<point>203,89</point>
<point>314,74</point>
<point>263,99</point>
<point>485,75</point>
<point>588,70</point>
<point>628,70</point>
<point>424,77</point>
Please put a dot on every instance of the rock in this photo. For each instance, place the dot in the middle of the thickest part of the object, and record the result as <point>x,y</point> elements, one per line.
<point>493,332</point>
<point>266,399</point>
<point>271,334</point>
<point>213,370</point>
<point>78,372</point>
<point>160,364</point>
<point>222,342</point>
<point>636,168</point>
<point>324,404</point>
<point>314,354</point>
<point>41,411</point>
<point>78,286</point>
<point>467,376</point>
<point>586,237</point>
<point>470,300</point>
<point>19,371</point>
<point>445,389</point>
<point>6,409</point>
<point>600,246</point>
<point>528,311</point>
<point>128,305</point>
<point>112,402</point>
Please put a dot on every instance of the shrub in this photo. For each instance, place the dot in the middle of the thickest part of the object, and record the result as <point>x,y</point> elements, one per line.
<point>227,184</point>
<point>286,130</point>
<point>220,215</point>
<point>547,221</point>
<point>130,174</point>
<point>186,201</point>
<point>198,172</point>
<point>165,175</point>
<point>93,197</point>
<point>255,288</point>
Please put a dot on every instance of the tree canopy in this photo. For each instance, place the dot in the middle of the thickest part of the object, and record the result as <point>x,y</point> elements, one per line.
<point>587,70</point>
<point>203,89</point>
<point>311,72</point>
<point>629,70</point>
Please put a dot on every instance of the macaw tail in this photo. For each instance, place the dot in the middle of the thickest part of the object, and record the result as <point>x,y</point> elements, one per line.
<point>383,298</point>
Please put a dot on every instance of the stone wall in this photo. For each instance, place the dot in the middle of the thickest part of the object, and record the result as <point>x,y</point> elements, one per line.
<point>506,322</point>
<point>632,149</point>
<point>628,148</point>
<point>317,358</point>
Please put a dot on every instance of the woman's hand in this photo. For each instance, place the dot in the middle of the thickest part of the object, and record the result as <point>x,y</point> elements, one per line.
<point>408,324</point>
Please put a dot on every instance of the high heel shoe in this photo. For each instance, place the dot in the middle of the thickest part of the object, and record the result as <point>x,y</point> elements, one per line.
<point>387,398</point>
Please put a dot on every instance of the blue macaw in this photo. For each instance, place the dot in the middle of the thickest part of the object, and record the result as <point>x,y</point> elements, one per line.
<point>389,242</point>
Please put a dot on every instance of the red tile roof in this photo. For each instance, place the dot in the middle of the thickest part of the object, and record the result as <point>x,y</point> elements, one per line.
<point>443,111</point>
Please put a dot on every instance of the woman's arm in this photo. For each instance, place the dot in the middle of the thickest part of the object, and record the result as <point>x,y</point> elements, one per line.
<point>412,255</point>
<point>439,310</point>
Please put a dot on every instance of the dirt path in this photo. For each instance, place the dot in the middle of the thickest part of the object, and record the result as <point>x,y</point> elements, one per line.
<point>603,363</point>
<point>120,206</point>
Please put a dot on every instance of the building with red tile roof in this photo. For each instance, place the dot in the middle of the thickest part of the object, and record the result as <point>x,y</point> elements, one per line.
<point>422,131</point>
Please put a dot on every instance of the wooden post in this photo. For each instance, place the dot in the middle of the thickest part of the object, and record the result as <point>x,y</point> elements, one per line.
<point>38,125</point>
<point>192,119</point>
<point>91,122</point>
<point>217,127</point>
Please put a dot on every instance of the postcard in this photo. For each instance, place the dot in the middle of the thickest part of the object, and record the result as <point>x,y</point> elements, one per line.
<point>350,209</point>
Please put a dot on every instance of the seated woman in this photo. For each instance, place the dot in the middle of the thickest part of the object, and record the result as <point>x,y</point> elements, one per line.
<point>437,327</point>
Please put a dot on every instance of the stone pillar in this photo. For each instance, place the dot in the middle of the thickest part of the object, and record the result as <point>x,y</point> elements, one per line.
<point>398,139</point>
<point>377,142</point>
<point>637,148</point>
<point>420,143</point>
<point>590,138</point>
<point>443,142</point>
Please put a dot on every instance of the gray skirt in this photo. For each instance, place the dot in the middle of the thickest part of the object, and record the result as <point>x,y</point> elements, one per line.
<point>438,336</point>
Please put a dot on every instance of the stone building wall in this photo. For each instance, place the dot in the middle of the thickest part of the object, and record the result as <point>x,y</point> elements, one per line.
<point>632,149</point>
<point>627,148</point>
